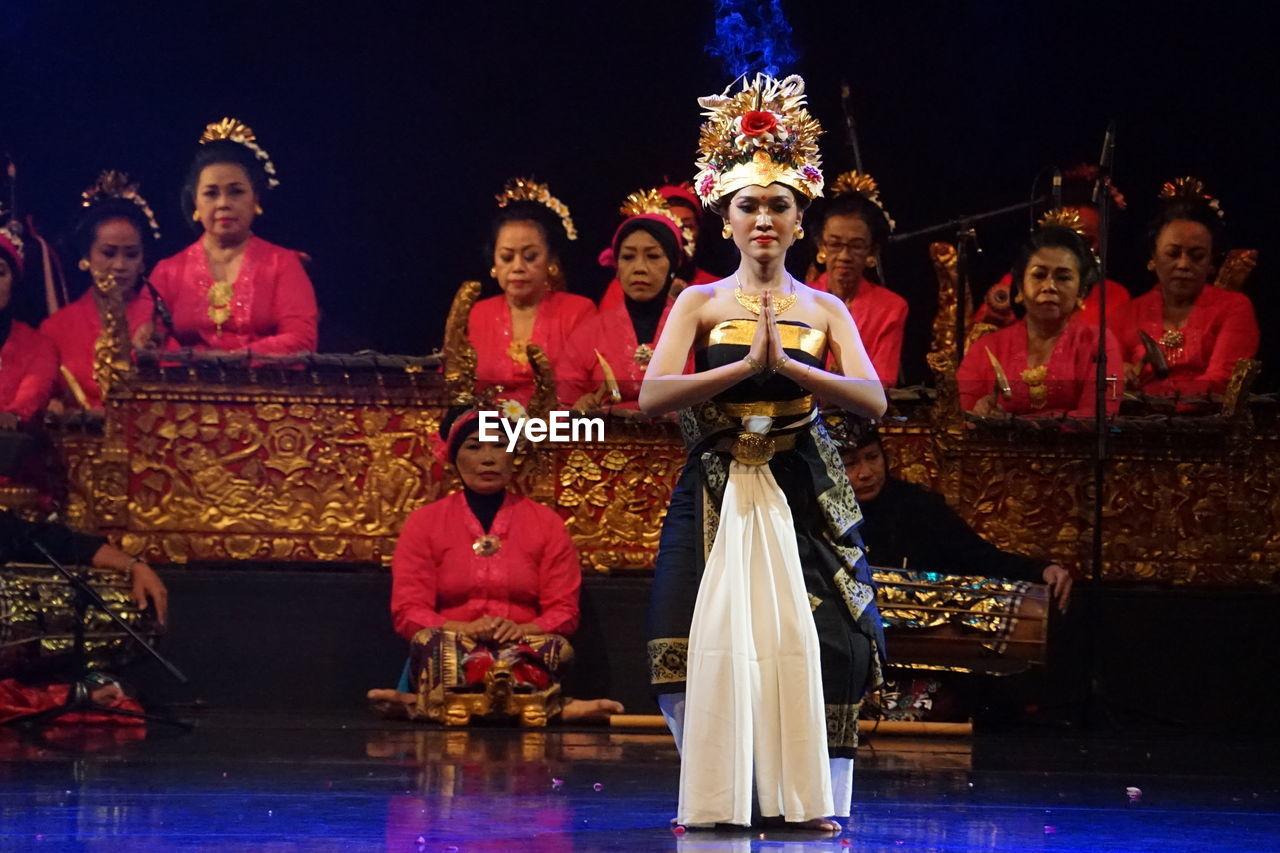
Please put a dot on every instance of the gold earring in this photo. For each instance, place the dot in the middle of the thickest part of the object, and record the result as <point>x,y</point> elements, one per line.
<point>1079,304</point>
<point>195,216</point>
<point>871,262</point>
<point>799,231</point>
<point>493,272</point>
<point>1017,297</point>
<point>553,269</point>
<point>727,231</point>
<point>257,208</point>
<point>1151,265</point>
<point>83,265</point>
<point>822,256</point>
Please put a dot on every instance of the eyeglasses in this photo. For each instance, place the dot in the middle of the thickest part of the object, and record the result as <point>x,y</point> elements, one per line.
<point>837,247</point>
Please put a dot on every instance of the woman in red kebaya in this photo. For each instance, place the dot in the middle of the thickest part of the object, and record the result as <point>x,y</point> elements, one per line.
<point>484,575</point>
<point>1202,330</point>
<point>1048,361</point>
<point>28,360</point>
<point>113,237</point>
<point>683,206</point>
<point>854,227</point>
<point>1077,195</point>
<point>231,290</point>
<point>529,237</point>
<point>646,250</point>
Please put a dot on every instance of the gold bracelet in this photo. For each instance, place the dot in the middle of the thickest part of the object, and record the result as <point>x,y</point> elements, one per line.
<point>753,364</point>
<point>777,365</point>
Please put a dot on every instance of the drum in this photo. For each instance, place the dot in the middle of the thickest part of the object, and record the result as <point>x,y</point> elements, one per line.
<point>37,621</point>
<point>962,623</point>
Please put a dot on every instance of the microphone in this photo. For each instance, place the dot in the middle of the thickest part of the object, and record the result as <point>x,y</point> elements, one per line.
<point>1057,188</point>
<point>1105,160</point>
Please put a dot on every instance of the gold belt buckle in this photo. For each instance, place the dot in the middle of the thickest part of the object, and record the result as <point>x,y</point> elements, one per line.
<point>752,448</point>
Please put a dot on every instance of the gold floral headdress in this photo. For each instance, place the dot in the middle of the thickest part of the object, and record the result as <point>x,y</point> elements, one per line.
<point>237,131</point>
<point>1191,189</point>
<point>652,202</point>
<point>760,136</point>
<point>863,185</point>
<point>1063,217</point>
<point>526,189</point>
<point>113,184</point>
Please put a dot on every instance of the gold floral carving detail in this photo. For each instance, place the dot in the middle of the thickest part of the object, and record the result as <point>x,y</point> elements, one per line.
<point>842,725</point>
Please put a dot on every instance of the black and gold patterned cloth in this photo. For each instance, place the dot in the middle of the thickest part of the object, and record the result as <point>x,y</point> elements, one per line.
<point>823,507</point>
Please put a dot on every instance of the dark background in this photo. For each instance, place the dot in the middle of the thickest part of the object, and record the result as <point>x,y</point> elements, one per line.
<point>392,125</point>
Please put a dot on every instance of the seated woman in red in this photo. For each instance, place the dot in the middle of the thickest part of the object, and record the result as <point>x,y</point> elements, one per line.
<point>231,290</point>
<point>854,226</point>
<point>1202,331</point>
<point>679,203</point>
<point>646,250</point>
<point>28,360</point>
<point>1077,196</point>
<point>529,238</point>
<point>1048,361</point>
<point>113,236</point>
<point>483,577</point>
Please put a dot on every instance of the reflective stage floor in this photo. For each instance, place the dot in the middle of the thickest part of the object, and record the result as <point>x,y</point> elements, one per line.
<point>281,784</point>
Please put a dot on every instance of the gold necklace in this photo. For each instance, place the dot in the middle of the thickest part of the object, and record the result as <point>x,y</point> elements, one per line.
<point>752,303</point>
<point>221,293</point>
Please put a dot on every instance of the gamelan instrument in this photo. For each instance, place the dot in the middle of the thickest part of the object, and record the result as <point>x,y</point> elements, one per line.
<point>962,623</point>
<point>37,621</point>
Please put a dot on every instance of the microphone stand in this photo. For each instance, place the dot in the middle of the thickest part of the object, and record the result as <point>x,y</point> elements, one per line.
<point>851,137</point>
<point>79,699</point>
<point>966,239</point>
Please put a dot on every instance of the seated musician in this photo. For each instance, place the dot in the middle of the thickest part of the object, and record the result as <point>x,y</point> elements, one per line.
<point>646,250</point>
<point>907,526</point>
<point>678,202</point>
<point>112,237</point>
<point>1077,195</point>
<point>231,290</point>
<point>18,543</point>
<point>28,360</point>
<point>1044,364</point>
<point>530,234</point>
<point>484,578</point>
<point>1202,331</point>
<point>855,226</point>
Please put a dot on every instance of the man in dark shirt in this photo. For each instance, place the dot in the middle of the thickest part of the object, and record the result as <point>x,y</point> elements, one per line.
<point>18,540</point>
<point>908,526</point>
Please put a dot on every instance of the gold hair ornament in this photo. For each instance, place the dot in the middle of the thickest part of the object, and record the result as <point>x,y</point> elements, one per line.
<point>237,131</point>
<point>759,136</point>
<point>114,184</point>
<point>1191,189</point>
<point>1063,217</point>
<point>651,201</point>
<point>526,189</point>
<point>863,185</point>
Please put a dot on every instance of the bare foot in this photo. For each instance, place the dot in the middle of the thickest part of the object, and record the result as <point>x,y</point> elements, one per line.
<point>818,824</point>
<point>589,710</point>
<point>391,704</point>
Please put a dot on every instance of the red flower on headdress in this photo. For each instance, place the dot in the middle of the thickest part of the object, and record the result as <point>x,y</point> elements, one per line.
<point>757,122</point>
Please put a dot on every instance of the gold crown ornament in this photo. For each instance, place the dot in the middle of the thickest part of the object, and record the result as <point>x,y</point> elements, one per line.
<point>1063,217</point>
<point>863,185</point>
<point>237,131</point>
<point>1190,189</point>
<point>11,233</point>
<point>651,201</point>
<point>526,189</point>
<point>760,136</point>
<point>113,184</point>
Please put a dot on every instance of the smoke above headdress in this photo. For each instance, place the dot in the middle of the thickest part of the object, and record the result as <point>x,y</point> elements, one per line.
<point>752,36</point>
